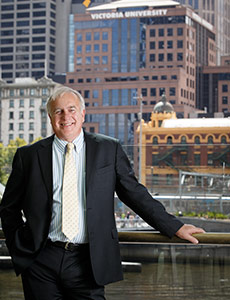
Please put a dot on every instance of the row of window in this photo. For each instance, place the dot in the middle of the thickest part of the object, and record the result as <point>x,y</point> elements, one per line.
<point>21,115</point>
<point>163,57</point>
<point>35,14</point>
<point>166,44</point>
<point>21,126</point>
<point>89,36</point>
<point>38,39</point>
<point>163,31</point>
<point>96,60</point>
<point>183,140</point>
<point>26,32</point>
<point>23,49</point>
<point>27,23</point>
<point>39,5</point>
<point>90,48</point>
<point>21,136</point>
<point>23,92</point>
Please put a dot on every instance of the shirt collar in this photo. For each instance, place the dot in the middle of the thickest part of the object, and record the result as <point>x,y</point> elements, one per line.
<point>78,142</point>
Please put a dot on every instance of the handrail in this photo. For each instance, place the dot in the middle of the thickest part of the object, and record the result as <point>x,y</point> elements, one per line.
<point>156,237</point>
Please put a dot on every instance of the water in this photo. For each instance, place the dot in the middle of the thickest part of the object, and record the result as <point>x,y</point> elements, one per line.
<point>157,281</point>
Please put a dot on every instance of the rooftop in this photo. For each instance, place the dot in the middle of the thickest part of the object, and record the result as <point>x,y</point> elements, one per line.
<point>133,4</point>
<point>196,123</point>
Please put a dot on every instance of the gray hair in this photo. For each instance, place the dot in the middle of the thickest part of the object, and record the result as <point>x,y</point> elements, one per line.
<point>59,91</point>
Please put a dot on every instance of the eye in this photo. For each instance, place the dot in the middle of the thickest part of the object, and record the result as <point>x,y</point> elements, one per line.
<point>57,111</point>
<point>72,109</point>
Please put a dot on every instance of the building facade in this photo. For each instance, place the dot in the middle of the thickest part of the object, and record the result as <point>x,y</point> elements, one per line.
<point>216,87</point>
<point>33,38</point>
<point>126,54</point>
<point>23,109</point>
<point>170,145</point>
<point>217,13</point>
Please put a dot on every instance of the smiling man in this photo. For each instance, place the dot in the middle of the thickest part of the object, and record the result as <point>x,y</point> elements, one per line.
<point>64,241</point>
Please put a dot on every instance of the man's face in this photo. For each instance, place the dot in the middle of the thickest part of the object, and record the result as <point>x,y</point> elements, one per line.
<point>66,117</point>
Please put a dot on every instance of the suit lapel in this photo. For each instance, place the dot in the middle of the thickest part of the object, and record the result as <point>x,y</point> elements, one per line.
<point>91,149</point>
<point>45,161</point>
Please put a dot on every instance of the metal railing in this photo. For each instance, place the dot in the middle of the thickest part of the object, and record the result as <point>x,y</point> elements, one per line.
<point>156,237</point>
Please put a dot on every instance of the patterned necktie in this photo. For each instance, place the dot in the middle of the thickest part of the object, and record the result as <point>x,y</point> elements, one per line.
<point>69,195</point>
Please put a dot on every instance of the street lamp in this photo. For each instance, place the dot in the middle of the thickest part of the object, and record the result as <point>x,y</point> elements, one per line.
<point>140,98</point>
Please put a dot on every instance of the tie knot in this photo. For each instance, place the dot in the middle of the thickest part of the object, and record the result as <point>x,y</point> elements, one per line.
<point>69,147</point>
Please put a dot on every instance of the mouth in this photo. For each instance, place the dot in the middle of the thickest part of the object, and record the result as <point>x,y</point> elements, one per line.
<point>66,124</point>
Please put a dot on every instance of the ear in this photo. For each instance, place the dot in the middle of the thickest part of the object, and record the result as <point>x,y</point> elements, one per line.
<point>83,116</point>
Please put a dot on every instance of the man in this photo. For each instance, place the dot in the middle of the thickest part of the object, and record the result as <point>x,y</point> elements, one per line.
<point>54,266</point>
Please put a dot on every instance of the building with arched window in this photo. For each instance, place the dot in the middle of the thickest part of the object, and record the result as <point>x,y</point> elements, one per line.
<point>199,145</point>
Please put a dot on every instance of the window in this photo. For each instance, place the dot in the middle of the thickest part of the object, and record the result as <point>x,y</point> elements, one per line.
<point>183,140</point>
<point>11,104</point>
<point>169,31</point>
<point>31,100</point>
<point>96,48</point>
<point>31,126</point>
<point>155,140</point>
<point>79,37</point>
<point>169,57</point>
<point>88,60</point>
<point>161,44</point>
<point>179,56</point>
<point>152,45</point>
<point>169,44</point>
<point>104,35</point>
<point>21,115</point>
<point>180,31</point>
<point>11,115</point>
<point>224,100</point>
<point>144,92</point>
<point>79,49</point>
<point>172,91</point>
<point>104,60</point>
<point>169,140</point>
<point>21,126</point>
<point>153,92</point>
<point>210,140</point>
<point>152,57</point>
<point>95,94</point>
<point>197,140</point>
<point>11,126</point>
<point>21,103</point>
<point>86,94</point>
<point>224,88</point>
<point>96,60</point>
<point>161,91</point>
<point>104,47</point>
<point>161,32</point>
<point>79,60</point>
<point>88,36</point>
<point>223,140</point>
<point>179,44</point>
<point>31,138</point>
<point>161,57</point>
<point>31,114</point>
<point>88,48</point>
<point>96,36</point>
<point>152,33</point>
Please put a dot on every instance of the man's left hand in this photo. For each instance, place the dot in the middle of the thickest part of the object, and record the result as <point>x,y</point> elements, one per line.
<point>186,233</point>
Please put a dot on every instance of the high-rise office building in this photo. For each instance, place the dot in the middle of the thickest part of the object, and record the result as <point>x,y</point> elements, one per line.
<point>33,38</point>
<point>216,12</point>
<point>124,49</point>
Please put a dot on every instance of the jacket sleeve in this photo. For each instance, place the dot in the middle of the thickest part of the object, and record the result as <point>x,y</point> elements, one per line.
<point>10,207</point>
<point>137,197</point>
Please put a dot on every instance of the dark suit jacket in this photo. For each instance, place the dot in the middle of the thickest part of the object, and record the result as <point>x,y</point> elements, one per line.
<point>29,189</point>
